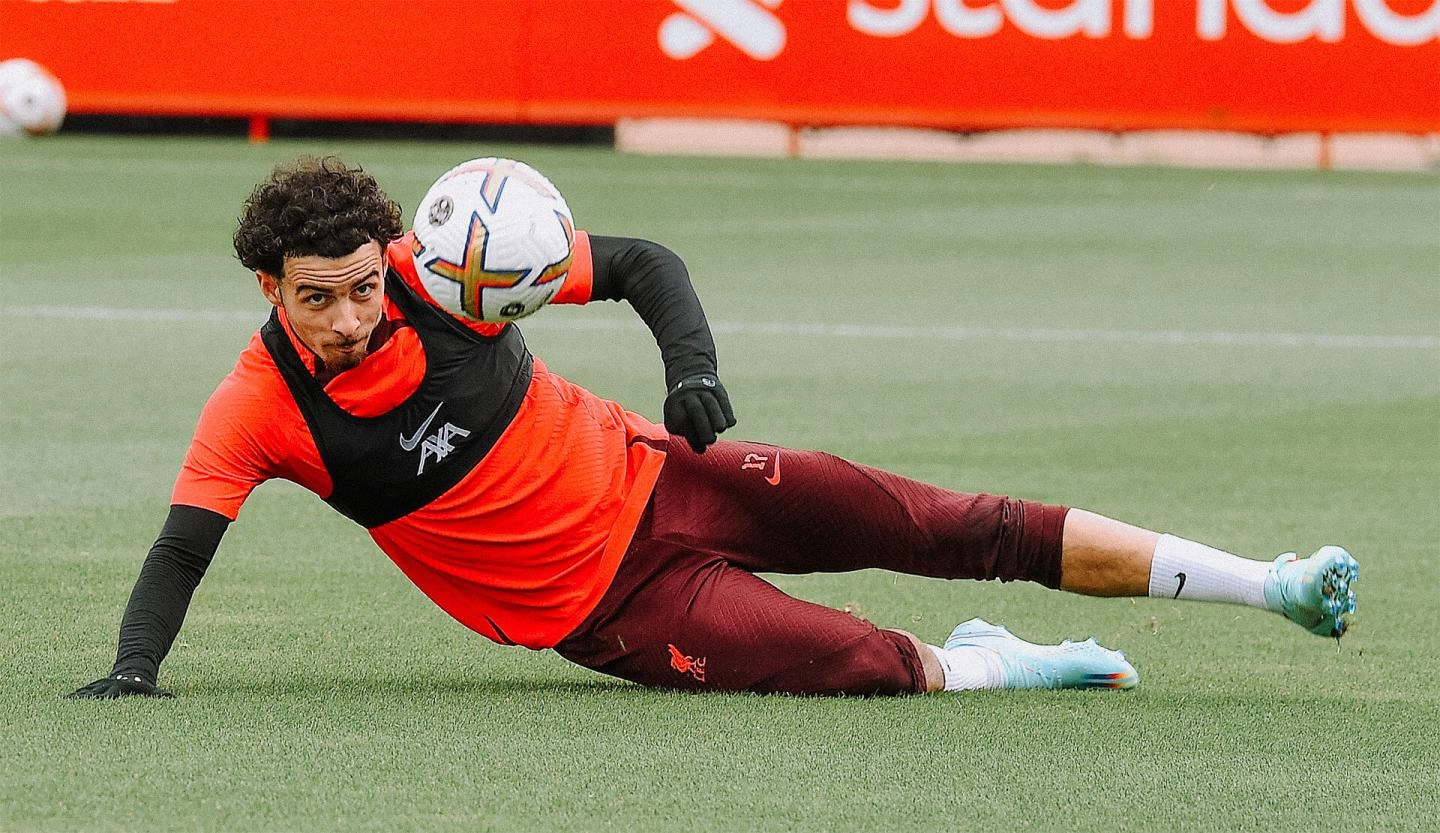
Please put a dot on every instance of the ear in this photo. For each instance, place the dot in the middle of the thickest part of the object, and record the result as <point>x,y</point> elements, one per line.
<point>269,287</point>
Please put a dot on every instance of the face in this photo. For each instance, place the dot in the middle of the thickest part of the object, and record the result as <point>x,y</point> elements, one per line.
<point>333,303</point>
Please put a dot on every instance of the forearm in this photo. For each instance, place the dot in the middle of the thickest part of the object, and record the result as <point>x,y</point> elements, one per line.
<point>168,578</point>
<point>657,285</point>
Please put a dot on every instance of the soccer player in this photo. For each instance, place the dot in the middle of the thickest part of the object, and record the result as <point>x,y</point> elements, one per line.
<point>541,515</point>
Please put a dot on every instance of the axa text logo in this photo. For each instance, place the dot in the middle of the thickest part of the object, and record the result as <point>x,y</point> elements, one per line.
<point>748,25</point>
<point>436,446</point>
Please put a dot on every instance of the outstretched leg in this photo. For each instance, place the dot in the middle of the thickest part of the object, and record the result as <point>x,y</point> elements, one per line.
<point>769,509</point>
<point>745,508</point>
<point>1104,557</point>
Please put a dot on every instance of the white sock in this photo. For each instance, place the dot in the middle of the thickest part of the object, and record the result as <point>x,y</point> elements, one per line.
<point>970,668</point>
<point>1194,572</point>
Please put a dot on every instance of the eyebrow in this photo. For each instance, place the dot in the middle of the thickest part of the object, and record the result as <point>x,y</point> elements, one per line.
<point>330,288</point>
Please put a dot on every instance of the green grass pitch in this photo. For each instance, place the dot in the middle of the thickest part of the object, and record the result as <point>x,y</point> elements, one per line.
<point>1247,358</point>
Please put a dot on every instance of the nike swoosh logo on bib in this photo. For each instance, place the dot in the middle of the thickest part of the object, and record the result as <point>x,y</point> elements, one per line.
<point>414,440</point>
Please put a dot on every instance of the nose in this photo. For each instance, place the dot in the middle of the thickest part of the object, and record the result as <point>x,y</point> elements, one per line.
<point>346,322</point>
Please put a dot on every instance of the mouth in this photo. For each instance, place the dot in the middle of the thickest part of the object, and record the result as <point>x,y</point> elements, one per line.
<point>345,355</point>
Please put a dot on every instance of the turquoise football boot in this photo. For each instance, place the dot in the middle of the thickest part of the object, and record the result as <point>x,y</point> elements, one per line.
<point>1314,592</point>
<point>1067,665</point>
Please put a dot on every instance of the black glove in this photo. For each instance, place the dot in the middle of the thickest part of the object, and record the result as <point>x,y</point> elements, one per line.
<point>698,408</point>
<point>119,685</point>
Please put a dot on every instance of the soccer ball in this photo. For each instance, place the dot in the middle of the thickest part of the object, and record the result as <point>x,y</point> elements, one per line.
<point>493,240</point>
<point>32,101</point>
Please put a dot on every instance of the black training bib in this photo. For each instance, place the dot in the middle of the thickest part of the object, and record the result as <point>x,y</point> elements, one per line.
<point>386,467</point>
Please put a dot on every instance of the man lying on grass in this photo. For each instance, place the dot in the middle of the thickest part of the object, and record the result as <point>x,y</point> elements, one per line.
<point>541,515</point>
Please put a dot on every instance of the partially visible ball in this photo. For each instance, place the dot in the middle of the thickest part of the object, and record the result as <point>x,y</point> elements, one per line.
<point>32,100</point>
<point>494,240</point>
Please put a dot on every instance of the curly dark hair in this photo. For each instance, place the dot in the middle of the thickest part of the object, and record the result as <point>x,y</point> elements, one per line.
<point>313,206</point>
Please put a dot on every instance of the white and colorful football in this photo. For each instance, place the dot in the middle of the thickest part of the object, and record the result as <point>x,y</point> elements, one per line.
<point>493,240</point>
<point>32,100</point>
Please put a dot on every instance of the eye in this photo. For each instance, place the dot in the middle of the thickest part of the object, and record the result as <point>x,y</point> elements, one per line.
<point>314,299</point>
<point>365,290</point>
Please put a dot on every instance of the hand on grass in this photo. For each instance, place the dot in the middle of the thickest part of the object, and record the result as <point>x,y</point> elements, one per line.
<point>119,685</point>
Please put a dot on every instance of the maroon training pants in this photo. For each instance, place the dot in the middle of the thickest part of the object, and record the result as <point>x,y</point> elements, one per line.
<point>686,611</point>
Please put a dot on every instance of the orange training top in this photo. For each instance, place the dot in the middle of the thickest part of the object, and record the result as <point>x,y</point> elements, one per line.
<point>524,546</point>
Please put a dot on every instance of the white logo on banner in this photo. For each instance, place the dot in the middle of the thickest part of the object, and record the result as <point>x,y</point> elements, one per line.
<point>747,24</point>
<point>752,26</point>
<point>1323,20</point>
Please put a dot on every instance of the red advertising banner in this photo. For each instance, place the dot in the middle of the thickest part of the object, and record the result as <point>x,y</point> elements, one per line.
<point>1250,65</point>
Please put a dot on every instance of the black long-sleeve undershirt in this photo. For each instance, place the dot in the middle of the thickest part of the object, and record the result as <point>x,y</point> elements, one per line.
<point>157,605</point>
<point>656,283</point>
<point>649,276</point>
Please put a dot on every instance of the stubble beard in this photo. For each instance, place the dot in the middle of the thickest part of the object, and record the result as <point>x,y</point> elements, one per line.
<point>341,362</point>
